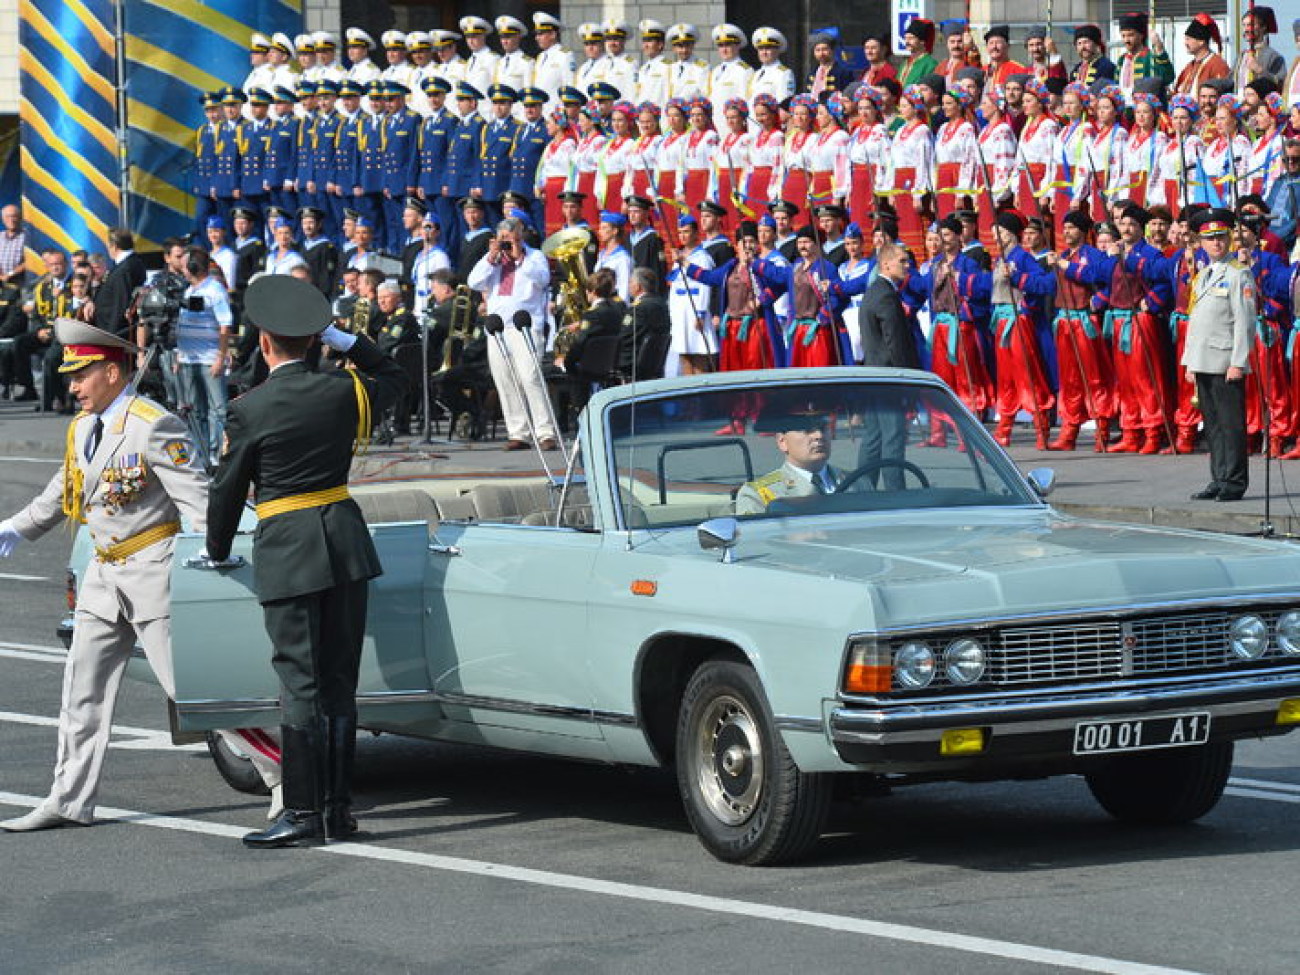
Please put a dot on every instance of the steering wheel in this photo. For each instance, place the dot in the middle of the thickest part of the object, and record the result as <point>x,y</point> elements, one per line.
<point>872,466</point>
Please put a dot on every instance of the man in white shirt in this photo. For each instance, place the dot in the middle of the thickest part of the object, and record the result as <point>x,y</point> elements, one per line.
<point>688,75</point>
<point>481,66</point>
<point>619,67</point>
<point>203,331</point>
<point>514,277</point>
<point>730,79</point>
<point>772,77</point>
<point>652,77</point>
<point>592,69</point>
<point>515,69</point>
<point>363,70</point>
<point>553,67</point>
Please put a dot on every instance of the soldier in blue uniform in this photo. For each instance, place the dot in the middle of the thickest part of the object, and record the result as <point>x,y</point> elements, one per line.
<point>431,150</point>
<point>253,135</point>
<point>225,181</point>
<point>328,121</point>
<point>203,175</point>
<point>372,138</point>
<point>346,166</point>
<point>526,155</point>
<point>304,174</point>
<point>280,162</point>
<point>497,141</point>
<point>400,165</point>
<point>463,154</point>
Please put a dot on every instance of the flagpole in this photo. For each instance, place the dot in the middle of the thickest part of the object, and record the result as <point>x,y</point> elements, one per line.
<point>123,162</point>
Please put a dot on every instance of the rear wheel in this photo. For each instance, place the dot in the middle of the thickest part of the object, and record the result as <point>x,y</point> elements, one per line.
<point>745,797</point>
<point>1163,788</point>
<point>235,767</point>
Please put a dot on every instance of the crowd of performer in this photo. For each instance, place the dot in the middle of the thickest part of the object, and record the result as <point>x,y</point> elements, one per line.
<point>1044,201</point>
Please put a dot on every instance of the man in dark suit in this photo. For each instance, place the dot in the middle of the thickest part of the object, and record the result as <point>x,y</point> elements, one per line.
<point>603,319</point>
<point>292,439</point>
<point>886,341</point>
<point>114,296</point>
<point>646,318</point>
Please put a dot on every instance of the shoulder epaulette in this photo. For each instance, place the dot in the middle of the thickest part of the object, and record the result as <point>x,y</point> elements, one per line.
<point>146,409</point>
<point>1233,262</point>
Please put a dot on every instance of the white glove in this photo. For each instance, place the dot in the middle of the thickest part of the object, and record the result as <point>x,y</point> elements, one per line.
<point>337,339</point>
<point>9,538</point>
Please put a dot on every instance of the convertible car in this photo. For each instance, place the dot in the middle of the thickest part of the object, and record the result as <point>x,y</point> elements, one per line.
<point>684,595</point>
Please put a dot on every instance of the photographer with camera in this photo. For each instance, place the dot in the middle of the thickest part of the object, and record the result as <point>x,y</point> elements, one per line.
<point>157,307</point>
<point>203,331</point>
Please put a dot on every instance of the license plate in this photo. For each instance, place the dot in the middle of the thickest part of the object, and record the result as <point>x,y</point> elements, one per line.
<point>1141,734</point>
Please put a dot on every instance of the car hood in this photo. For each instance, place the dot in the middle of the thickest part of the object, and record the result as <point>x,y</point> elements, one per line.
<point>964,564</point>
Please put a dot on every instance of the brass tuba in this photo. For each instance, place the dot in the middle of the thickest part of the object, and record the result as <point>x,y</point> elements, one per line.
<point>460,329</point>
<point>566,248</point>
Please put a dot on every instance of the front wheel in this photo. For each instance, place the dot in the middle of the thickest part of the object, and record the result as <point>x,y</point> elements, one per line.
<point>744,796</point>
<point>1163,788</point>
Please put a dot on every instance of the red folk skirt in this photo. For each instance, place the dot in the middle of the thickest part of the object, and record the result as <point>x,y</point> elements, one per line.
<point>759,188</point>
<point>795,190</point>
<point>552,189</point>
<point>613,193</point>
<point>1137,189</point>
<point>947,177</point>
<point>667,190</point>
<point>725,198</point>
<point>862,202</point>
<point>695,188</point>
<point>821,187</point>
<point>910,231</point>
<point>590,206</point>
<point>641,184</point>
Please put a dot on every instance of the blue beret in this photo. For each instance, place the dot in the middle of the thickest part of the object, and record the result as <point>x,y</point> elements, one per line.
<point>612,218</point>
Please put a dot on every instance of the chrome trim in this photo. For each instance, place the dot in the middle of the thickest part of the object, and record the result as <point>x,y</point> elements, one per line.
<point>512,706</point>
<point>244,705</point>
<point>1220,696</point>
<point>1096,612</point>
<point>785,722</point>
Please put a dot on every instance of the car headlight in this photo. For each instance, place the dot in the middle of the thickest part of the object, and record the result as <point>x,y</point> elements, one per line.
<point>914,664</point>
<point>1288,632</point>
<point>1248,637</point>
<point>964,661</point>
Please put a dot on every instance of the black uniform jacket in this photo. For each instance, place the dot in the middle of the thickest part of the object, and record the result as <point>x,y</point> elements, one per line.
<point>886,335</point>
<point>293,434</point>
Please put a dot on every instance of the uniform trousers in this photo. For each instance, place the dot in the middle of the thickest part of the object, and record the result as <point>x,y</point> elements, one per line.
<point>317,641</point>
<point>92,677</point>
<point>516,407</point>
<point>1224,406</point>
<point>393,229</point>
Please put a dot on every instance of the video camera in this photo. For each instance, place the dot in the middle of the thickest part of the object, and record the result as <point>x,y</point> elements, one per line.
<point>158,306</point>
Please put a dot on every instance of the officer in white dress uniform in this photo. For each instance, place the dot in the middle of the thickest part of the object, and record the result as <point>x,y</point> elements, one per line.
<point>688,76</point>
<point>730,78</point>
<point>619,67</point>
<point>327,67</point>
<point>592,69</point>
<point>772,77</point>
<point>363,70</point>
<point>653,76</point>
<point>447,64</point>
<point>553,67</point>
<point>515,69</point>
<point>481,66</point>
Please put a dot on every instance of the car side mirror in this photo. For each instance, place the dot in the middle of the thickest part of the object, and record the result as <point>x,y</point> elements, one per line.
<point>1042,480</point>
<point>719,533</point>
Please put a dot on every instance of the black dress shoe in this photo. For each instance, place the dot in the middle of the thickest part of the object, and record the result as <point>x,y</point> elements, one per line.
<point>295,827</point>
<point>1230,496</point>
<point>1211,493</point>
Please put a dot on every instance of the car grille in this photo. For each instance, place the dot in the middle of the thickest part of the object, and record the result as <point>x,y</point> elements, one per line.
<point>1091,651</point>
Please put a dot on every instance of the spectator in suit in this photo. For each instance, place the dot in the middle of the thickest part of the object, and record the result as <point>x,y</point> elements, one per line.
<point>114,295</point>
<point>603,319</point>
<point>646,318</point>
<point>886,341</point>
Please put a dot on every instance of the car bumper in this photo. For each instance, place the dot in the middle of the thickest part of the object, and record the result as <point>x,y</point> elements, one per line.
<point>1039,730</point>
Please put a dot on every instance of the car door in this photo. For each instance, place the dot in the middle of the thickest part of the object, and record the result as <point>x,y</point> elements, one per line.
<point>222,657</point>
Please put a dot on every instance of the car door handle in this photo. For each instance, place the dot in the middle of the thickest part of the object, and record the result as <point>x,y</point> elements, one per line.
<point>206,564</point>
<point>437,548</point>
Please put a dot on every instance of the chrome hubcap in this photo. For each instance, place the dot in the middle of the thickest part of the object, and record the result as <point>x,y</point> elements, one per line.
<point>729,760</point>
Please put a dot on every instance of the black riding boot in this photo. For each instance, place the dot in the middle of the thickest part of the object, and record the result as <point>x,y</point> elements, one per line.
<point>341,746</point>
<point>302,752</point>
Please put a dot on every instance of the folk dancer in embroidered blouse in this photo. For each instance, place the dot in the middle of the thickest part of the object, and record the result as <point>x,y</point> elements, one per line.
<point>1225,157</point>
<point>732,161</point>
<point>614,180</point>
<point>828,155</point>
<point>643,157</point>
<point>1143,151</point>
<point>697,158</point>
<point>868,161</point>
<point>586,159</point>
<point>911,158</point>
<point>556,169</point>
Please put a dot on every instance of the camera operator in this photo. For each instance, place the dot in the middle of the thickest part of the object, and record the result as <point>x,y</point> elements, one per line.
<point>157,309</point>
<point>203,331</point>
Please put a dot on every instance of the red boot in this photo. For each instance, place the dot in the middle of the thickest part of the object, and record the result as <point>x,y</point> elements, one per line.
<point>1150,442</point>
<point>1065,440</point>
<point>1102,442</point>
<point>1042,430</point>
<point>1129,443</point>
<point>1275,447</point>
<point>1003,433</point>
<point>1187,440</point>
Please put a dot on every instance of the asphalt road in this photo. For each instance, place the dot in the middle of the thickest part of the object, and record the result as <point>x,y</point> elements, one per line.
<point>476,861</point>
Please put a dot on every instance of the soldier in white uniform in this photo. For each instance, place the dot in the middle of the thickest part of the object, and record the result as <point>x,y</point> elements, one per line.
<point>481,66</point>
<point>730,78</point>
<point>131,472</point>
<point>327,67</point>
<point>419,48</point>
<point>688,76</point>
<point>279,56</point>
<point>515,69</point>
<point>305,51</point>
<point>619,68</point>
<point>553,67</point>
<point>801,434</point>
<point>1220,334</point>
<point>592,69</point>
<point>772,77</point>
<point>399,68</point>
<point>260,71</point>
<point>652,77</point>
<point>363,70</point>
<point>448,63</point>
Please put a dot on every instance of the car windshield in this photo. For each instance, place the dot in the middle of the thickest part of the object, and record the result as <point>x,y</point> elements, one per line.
<point>782,450</point>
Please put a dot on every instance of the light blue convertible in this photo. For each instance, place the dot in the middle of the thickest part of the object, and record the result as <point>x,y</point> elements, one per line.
<point>919,613</point>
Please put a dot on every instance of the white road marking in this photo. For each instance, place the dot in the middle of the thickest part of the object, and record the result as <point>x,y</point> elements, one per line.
<point>15,577</point>
<point>1261,794</point>
<point>660,895</point>
<point>31,460</point>
<point>142,739</point>
<point>1265,784</point>
<point>33,648</point>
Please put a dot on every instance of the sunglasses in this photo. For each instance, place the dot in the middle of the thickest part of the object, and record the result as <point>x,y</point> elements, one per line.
<point>1293,160</point>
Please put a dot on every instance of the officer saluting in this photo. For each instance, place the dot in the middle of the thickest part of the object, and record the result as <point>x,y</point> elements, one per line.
<point>1220,334</point>
<point>292,438</point>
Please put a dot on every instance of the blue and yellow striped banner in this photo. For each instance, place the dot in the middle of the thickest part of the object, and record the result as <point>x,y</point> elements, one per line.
<point>69,133</point>
<point>175,50</point>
